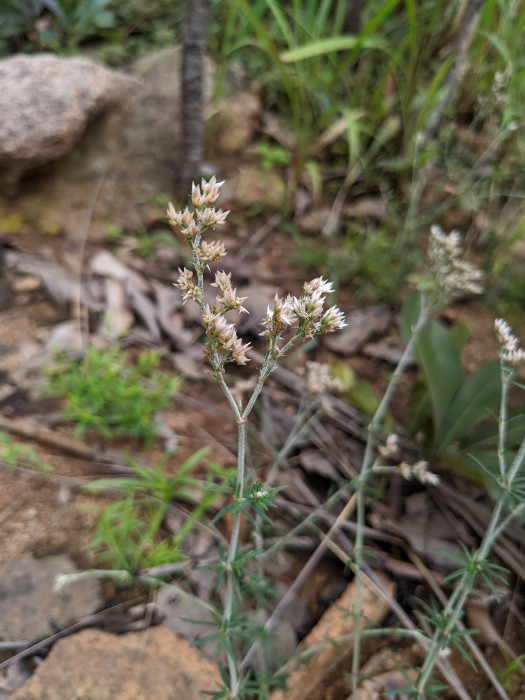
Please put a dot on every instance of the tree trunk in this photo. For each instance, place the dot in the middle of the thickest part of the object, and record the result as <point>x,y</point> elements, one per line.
<point>194,40</point>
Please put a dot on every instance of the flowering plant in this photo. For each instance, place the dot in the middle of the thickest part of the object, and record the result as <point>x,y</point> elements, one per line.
<point>289,321</point>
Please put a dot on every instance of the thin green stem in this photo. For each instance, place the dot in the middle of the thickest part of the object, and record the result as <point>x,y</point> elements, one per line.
<point>366,471</point>
<point>505,385</point>
<point>232,553</point>
<point>454,607</point>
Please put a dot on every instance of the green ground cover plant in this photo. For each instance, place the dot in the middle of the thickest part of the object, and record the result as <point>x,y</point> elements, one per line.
<point>105,392</point>
<point>128,534</point>
<point>410,103</point>
<point>15,454</point>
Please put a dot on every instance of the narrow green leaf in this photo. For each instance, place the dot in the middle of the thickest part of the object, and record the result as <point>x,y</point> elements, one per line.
<point>331,44</point>
<point>488,435</point>
<point>431,97</point>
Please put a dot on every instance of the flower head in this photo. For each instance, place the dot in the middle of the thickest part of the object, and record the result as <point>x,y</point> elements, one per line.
<point>278,318</point>
<point>318,285</point>
<point>418,471</point>
<point>453,275</point>
<point>222,336</point>
<point>509,351</point>
<point>210,217</point>
<point>210,252</point>
<point>206,193</point>
<point>228,300</point>
<point>186,284</point>
<point>332,320</point>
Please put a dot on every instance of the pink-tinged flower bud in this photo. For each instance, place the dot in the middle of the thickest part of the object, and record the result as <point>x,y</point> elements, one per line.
<point>179,219</point>
<point>186,284</point>
<point>332,320</point>
<point>206,193</point>
<point>210,190</point>
<point>209,217</point>
<point>509,350</point>
<point>453,275</point>
<point>319,285</point>
<point>191,230</point>
<point>223,280</point>
<point>210,252</point>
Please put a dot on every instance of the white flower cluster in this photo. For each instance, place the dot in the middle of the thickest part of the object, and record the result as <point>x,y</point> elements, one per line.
<point>499,87</point>
<point>188,286</point>
<point>509,351</point>
<point>318,379</point>
<point>305,313</point>
<point>193,224</point>
<point>222,338</point>
<point>418,471</point>
<point>453,275</point>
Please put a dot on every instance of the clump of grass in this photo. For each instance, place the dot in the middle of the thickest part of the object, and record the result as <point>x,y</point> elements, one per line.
<point>104,391</point>
<point>128,534</point>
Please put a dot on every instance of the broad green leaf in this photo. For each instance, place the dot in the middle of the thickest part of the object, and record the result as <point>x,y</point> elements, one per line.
<point>474,402</point>
<point>441,367</point>
<point>488,435</point>
<point>359,392</point>
<point>419,409</point>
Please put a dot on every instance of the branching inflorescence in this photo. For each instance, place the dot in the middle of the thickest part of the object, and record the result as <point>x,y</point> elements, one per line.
<point>288,322</point>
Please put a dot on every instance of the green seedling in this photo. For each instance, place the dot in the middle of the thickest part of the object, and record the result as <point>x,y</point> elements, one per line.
<point>13,453</point>
<point>145,243</point>
<point>103,391</point>
<point>272,155</point>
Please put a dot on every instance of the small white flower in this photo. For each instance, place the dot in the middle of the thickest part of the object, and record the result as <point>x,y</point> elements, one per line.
<point>444,653</point>
<point>509,350</point>
<point>391,448</point>
<point>318,285</point>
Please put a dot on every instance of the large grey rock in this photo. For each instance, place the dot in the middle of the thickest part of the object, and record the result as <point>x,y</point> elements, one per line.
<point>46,103</point>
<point>125,158</point>
<point>125,162</point>
<point>29,601</point>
